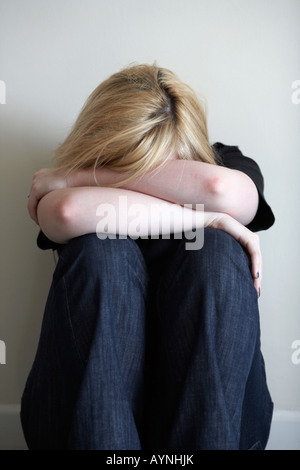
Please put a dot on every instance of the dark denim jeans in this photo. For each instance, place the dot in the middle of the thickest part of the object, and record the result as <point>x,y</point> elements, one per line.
<point>159,356</point>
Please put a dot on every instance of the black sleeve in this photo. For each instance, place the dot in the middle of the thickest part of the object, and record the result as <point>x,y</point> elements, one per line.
<point>45,244</point>
<point>232,157</point>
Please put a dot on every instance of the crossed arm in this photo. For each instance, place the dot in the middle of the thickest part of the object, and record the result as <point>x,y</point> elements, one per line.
<point>66,206</point>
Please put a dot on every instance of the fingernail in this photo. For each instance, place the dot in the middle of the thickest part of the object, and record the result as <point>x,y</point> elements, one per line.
<point>259,292</point>
<point>257,275</point>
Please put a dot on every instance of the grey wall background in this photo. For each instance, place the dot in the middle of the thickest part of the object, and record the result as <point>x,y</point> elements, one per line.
<point>241,55</point>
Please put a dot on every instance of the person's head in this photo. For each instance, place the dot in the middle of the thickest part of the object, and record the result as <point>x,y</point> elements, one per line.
<point>134,121</point>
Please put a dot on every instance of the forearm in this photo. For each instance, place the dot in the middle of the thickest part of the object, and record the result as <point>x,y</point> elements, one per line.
<point>71,212</point>
<point>67,213</point>
<point>176,181</point>
<point>186,182</point>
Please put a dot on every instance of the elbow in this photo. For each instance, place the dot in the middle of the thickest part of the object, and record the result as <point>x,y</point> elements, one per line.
<point>55,216</point>
<point>63,211</point>
<point>216,188</point>
<point>232,193</point>
<point>222,197</point>
<point>238,201</point>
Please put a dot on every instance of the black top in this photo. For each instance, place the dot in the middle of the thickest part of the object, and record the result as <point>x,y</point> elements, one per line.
<point>230,157</point>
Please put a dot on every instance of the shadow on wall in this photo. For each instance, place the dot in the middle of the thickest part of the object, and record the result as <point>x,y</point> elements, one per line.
<point>26,271</point>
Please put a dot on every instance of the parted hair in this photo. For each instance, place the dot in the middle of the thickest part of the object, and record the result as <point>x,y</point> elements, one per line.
<point>134,120</point>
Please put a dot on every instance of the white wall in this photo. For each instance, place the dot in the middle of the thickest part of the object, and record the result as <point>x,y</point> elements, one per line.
<point>242,55</point>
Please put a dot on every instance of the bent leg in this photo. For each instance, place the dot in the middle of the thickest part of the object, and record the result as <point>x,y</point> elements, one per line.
<point>84,389</point>
<point>209,324</point>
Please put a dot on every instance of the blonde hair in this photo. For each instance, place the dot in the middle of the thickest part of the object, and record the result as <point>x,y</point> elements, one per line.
<point>134,120</point>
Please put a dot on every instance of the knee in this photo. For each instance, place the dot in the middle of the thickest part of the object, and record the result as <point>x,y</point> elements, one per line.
<point>90,254</point>
<point>220,243</point>
<point>220,253</point>
<point>223,271</point>
<point>91,247</point>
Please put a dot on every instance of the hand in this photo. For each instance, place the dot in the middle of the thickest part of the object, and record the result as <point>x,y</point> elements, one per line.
<point>44,181</point>
<point>249,240</point>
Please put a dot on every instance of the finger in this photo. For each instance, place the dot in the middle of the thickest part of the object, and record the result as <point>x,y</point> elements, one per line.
<point>257,272</point>
<point>257,285</point>
<point>255,257</point>
<point>256,264</point>
<point>256,267</point>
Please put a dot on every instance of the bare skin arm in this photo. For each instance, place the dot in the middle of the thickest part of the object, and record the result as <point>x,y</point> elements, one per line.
<point>182,182</point>
<point>188,182</point>
<point>230,199</point>
<point>67,213</point>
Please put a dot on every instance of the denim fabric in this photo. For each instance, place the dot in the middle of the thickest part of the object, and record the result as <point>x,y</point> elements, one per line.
<point>139,355</point>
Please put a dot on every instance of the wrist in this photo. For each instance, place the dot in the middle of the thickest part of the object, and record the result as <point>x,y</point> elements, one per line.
<point>93,177</point>
<point>81,178</point>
